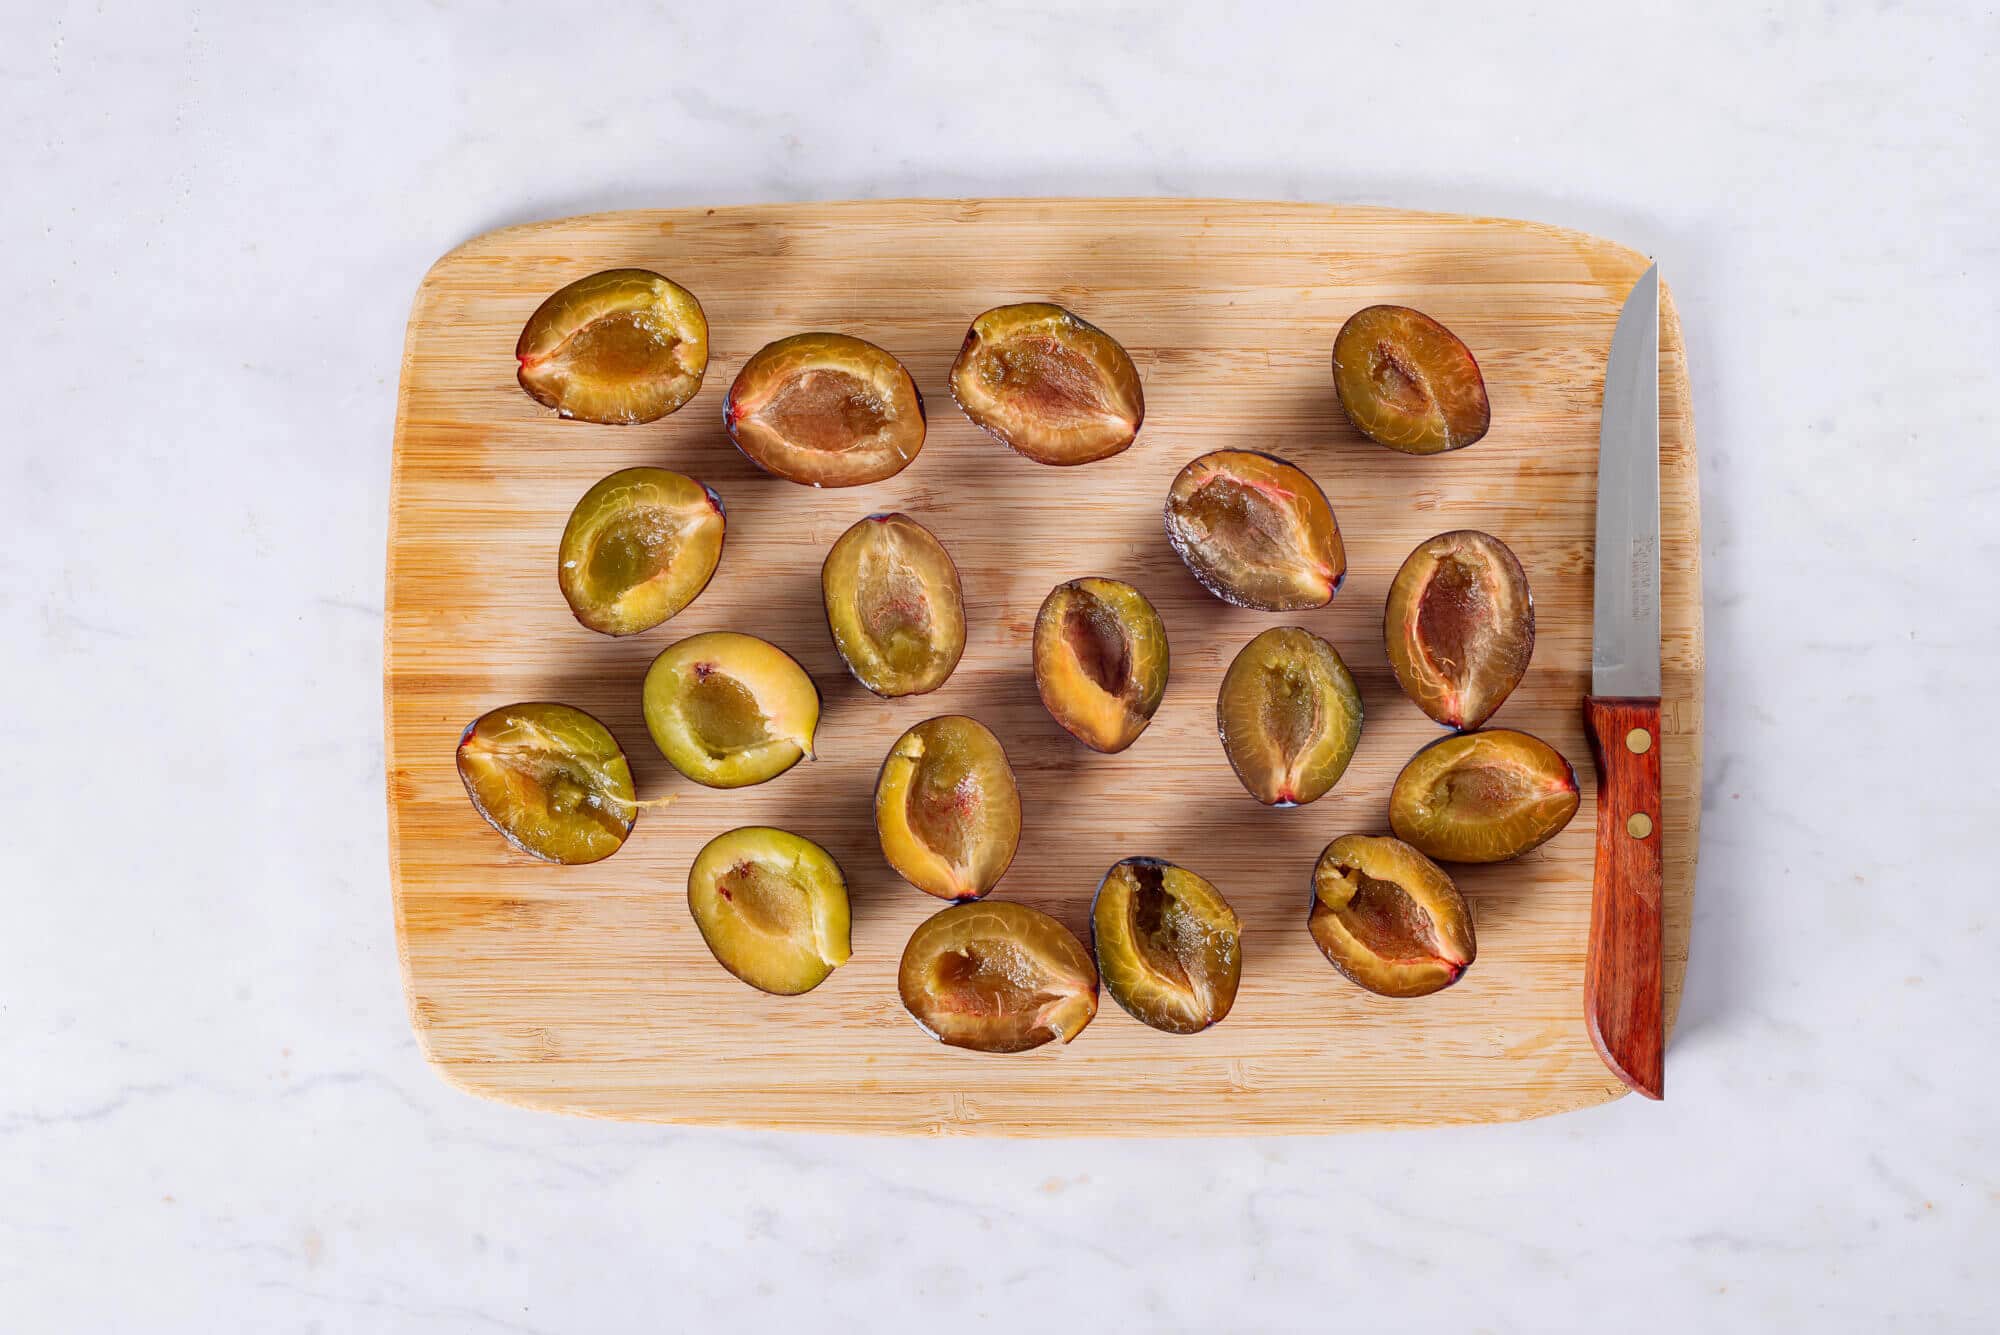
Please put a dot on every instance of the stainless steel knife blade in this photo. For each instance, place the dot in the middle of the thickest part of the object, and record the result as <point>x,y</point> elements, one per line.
<point>1625,635</point>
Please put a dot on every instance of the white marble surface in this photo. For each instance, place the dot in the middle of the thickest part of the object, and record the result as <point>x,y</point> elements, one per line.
<point>212,1113</point>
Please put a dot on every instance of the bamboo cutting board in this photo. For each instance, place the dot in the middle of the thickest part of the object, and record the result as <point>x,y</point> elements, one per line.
<point>588,990</point>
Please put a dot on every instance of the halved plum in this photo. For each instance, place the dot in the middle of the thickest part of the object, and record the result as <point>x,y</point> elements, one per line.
<point>1407,382</point>
<point>1482,796</point>
<point>1290,716</point>
<point>619,347</point>
<point>730,710</point>
<point>1256,531</point>
<point>1389,918</point>
<point>1169,948</point>
<point>639,547</point>
<point>894,605</point>
<point>1100,661</point>
<point>551,779</point>
<point>947,810</point>
<point>1460,626</point>
<point>826,410</point>
<point>772,908</point>
<point>1054,387</point>
<point>997,977</point>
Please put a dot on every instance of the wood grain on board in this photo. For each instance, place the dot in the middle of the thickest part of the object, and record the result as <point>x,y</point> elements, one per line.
<point>588,990</point>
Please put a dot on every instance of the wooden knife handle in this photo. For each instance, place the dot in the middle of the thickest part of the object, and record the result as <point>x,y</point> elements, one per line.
<point>1621,981</point>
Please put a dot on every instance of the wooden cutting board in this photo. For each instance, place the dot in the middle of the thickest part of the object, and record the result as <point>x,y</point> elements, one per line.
<point>588,990</point>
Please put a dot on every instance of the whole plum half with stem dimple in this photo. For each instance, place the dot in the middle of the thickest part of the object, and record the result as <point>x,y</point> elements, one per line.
<point>1256,531</point>
<point>771,907</point>
<point>1100,661</point>
<point>825,410</point>
<point>639,547</point>
<point>947,809</point>
<point>1169,948</point>
<point>1482,796</point>
<point>1407,382</point>
<point>997,977</point>
<point>730,710</point>
<point>1389,918</point>
<point>620,347</point>
<point>1054,387</point>
<point>894,605</point>
<point>551,779</point>
<point>1460,626</point>
<point>1290,716</point>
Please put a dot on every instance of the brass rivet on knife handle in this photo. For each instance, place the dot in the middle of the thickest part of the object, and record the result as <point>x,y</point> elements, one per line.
<point>1640,825</point>
<point>1638,741</point>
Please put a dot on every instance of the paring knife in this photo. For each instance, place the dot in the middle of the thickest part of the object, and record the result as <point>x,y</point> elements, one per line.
<point>1621,984</point>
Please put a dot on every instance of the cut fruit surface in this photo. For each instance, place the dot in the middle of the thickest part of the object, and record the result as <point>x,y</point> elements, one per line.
<point>729,710</point>
<point>1054,387</point>
<point>997,977</point>
<point>1460,626</point>
<point>639,547</point>
<point>947,810</point>
<point>619,347</point>
<point>1169,948</point>
<point>772,908</point>
<point>1407,382</point>
<point>1389,918</point>
<point>1256,531</point>
<point>1483,796</point>
<point>551,779</point>
<point>1290,716</point>
<point>893,605</point>
<point>1100,661</point>
<point>826,410</point>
